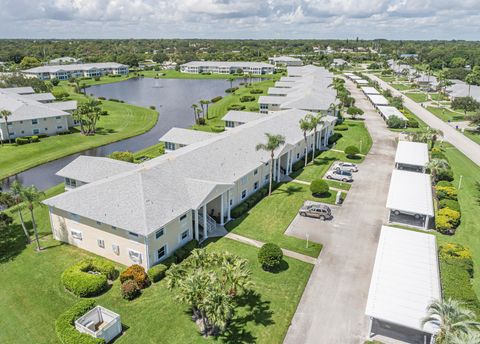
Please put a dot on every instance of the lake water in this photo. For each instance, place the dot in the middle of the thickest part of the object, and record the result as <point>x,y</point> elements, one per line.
<point>172,98</point>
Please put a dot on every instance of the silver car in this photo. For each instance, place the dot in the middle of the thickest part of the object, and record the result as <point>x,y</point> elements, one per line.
<point>344,176</point>
<point>346,166</point>
<point>320,211</point>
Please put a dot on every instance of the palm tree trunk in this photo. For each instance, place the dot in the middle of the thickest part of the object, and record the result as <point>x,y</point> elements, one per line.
<point>271,175</point>
<point>207,111</point>
<point>306,147</point>
<point>8,132</point>
<point>35,230</point>
<point>314,143</point>
<point>23,225</point>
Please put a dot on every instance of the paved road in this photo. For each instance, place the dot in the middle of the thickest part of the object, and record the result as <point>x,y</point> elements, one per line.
<point>468,147</point>
<point>332,308</point>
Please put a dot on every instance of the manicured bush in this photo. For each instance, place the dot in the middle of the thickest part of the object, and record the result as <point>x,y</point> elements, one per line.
<point>298,165</point>
<point>123,156</point>
<point>412,123</point>
<point>152,107</point>
<point>245,99</point>
<point>157,273</point>
<point>449,203</point>
<point>341,127</point>
<point>461,255</point>
<point>237,107</point>
<point>97,78</point>
<point>216,99</point>
<point>395,122</point>
<point>89,277</point>
<point>270,256</point>
<point>65,325</point>
<point>254,108</point>
<point>334,138</point>
<point>446,192</point>
<point>231,90</point>
<point>137,273</point>
<point>200,121</point>
<point>169,261</point>
<point>452,215</point>
<point>239,210</point>
<point>443,225</point>
<point>319,187</point>
<point>22,141</point>
<point>256,91</point>
<point>444,174</point>
<point>444,183</point>
<point>184,251</point>
<point>102,98</point>
<point>55,81</point>
<point>351,152</point>
<point>129,289</point>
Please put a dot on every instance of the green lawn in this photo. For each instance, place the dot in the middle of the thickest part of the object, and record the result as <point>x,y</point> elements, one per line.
<point>150,152</point>
<point>474,136</point>
<point>356,135</point>
<point>123,121</point>
<point>446,114</point>
<point>402,87</point>
<point>35,296</point>
<point>417,97</point>
<point>269,219</point>
<point>339,185</point>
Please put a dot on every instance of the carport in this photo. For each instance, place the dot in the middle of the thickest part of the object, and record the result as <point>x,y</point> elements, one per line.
<point>377,100</point>
<point>404,282</point>
<point>411,156</point>
<point>410,199</point>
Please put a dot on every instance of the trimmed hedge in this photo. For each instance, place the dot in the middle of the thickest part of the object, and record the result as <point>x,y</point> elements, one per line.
<point>89,277</point>
<point>319,187</point>
<point>218,129</point>
<point>446,192</point>
<point>245,99</point>
<point>184,251</point>
<point>137,273</point>
<point>453,216</point>
<point>157,273</point>
<point>341,127</point>
<point>65,325</point>
<point>334,138</point>
<point>237,107</point>
<point>270,256</point>
<point>251,201</point>
<point>449,203</point>
<point>216,99</point>
<point>26,139</point>
<point>256,91</point>
<point>231,90</point>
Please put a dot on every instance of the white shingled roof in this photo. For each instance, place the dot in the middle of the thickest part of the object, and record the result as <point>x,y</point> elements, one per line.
<point>369,90</point>
<point>40,96</point>
<point>74,67</point>
<point>68,105</point>
<point>389,111</point>
<point>405,278</point>
<point>185,136</point>
<point>412,153</point>
<point>361,82</point>
<point>377,99</point>
<point>410,192</point>
<point>242,116</point>
<point>285,59</point>
<point>228,64</point>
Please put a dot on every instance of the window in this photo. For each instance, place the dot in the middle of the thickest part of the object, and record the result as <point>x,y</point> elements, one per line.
<point>231,202</point>
<point>255,172</point>
<point>170,145</point>
<point>116,249</point>
<point>243,181</point>
<point>184,235</point>
<point>59,127</point>
<point>36,131</point>
<point>244,194</point>
<point>34,121</point>
<point>267,163</point>
<point>46,129</point>
<point>76,235</point>
<point>101,243</point>
<point>298,155</point>
<point>135,256</point>
<point>162,252</point>
<point>183,217</point>
<point>133,234</point>
<point>159,233</point>
<point>255,186</point>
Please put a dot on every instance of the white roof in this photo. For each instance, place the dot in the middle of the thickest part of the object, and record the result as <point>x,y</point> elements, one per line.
<point>74,67</point>
<point>19,90</point>
<point>361,82</point>
<point>228,64</point>
<point>410,192</point>
<point>377,99</point>
<point>389,111</point>
<point>354,77</point>
<point>185,136</point>
<point>285,59</point>
<point>412,153</point>
<point>461,89</point>
<point>68,105</point>
<point>40,96</point>
<point>405,278</point>
<point>242,116</point>
<point>369,90</point>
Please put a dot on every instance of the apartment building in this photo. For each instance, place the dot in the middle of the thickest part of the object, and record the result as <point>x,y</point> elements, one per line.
<point>33,113</point>
<point>84,70</point>
<point>227,67</point>
<point>143,213</point>
<point>285,61</point>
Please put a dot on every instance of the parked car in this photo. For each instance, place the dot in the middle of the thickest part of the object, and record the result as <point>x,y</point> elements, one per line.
<point>320,211</point>
<point>347,166</point>
<point>344,176</point>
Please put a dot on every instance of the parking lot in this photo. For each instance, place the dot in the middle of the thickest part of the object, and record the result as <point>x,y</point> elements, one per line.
<point>335,167</point>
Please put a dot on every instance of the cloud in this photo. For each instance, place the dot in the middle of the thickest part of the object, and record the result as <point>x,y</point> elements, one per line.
<point>403,19</point>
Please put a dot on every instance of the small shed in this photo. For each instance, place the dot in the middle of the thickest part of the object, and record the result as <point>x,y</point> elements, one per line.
<point>100,322</point>
<point>411,156</point>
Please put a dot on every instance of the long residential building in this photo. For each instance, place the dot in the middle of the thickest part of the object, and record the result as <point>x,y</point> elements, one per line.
<point>83,70</point>
<point>143,213</point>
<point>306,88</point>
<point>285,61</point>
<point>33,113</point>
<point>227,67</point>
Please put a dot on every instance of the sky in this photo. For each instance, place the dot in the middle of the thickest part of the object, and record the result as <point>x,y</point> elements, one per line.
<point>237,19</point>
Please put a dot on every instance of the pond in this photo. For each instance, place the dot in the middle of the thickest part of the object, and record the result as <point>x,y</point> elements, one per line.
<point>172,98</point>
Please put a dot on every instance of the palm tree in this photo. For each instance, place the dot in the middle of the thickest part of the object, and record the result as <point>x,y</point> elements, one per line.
<point>315,121</point>
<point>470,80</point>
<point>305,126</point>
<point>450,318</point>
<point>231,79</point>
<point>16,190</point>
<point>202,103</point>
<point>31,196</point>
<point>273,142</point>
<point>235,273</point>
<point>218,308</point>
<point>471,337</point>
<point>435,165</point>
<point>195,112</point>
<point>5,114</point>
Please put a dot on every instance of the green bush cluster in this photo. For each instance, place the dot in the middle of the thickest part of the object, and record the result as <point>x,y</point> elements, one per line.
<point>446,192</point>
<point>231,90</point>
<point>130,290</point>
<point>449,203</point>
<point>250,202</point>
<point>351,151</point>
<point>444,174</point>
<point>123,156</point>
<point>396,122</point>
<point>270,256</point>
<point>236,107</point>
<point>341,127</point>
<point>26,139</point>
<point>334,138</point>
<point>116,100</point>
<point>256,91</point>
<point>436,153</point>
<point>136,273</point>
<point>245,99</point>
<point>184,251</point>
<point>65,325</point>
<point>89,277</point>
<point>216,99</point>
<point>447,220</point>
<point>157,273</point>
<point>200,121</point>
<point>319,187</point>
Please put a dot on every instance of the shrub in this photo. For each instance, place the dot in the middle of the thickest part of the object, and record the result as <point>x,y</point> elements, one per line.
<point>216,99</point>
<point>123,156</point>
<point>231,90</point>
<point>270,256</point>
<point>169,261</point>
<point>446,192</point>
<point>184,251</point>
<point>136,273</point>
<point>239,210</point>
<point>129,289</point>
<point>88,277</point>
<point>65,325</point>
<point>157,273</point>
<point>334,138</point>
<point>152,107</point>
<point>236,107</point>
<point>443,225</point>
<point>55,81</point>
<point>351,151</point>
<point>298,165</point>
<point>256,91</point>
<point>102,98</point>
<point>97,78</point>
<point>412,123</point>
<point>245,99</point>
<point>438,154</point>
<point>461,254</point>
<point>254,108</point>
<point>218,129</point>
<point>395,122</point>
<point>444,174</point>
<point>22,141</point>
<point>453,216</point>
<point>200,121</point>
<point>319,187</point>
<point>341,127</point>
<point>450,203</point>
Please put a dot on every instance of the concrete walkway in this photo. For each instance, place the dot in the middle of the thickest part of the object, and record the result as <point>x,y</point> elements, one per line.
<point>256,243</point>
<point>468,147</point>
<point>332,308</point>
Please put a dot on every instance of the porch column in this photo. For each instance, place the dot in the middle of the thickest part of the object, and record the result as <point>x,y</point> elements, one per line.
<point>205,235</point>
<point>222,215</point>
<point>229,207</point>
<point>278,169</point>
<point>195,214</point>
<point>288,161</point>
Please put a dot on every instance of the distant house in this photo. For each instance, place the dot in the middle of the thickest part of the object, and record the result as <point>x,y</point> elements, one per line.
<point>64,60</point>
<point>33,113</point>
<point>235,118</point>
<point>227,67</point>
<point>338,63</point>
<point>426,82</point>
<point>285,61</point>
<point>462,89</point>
<point>87,70</point>
<point>146,64</point>
<point>408,56</point>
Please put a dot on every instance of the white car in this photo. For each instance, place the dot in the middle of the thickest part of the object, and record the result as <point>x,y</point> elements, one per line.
<point>344,176</point>
<point>347,166</point>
